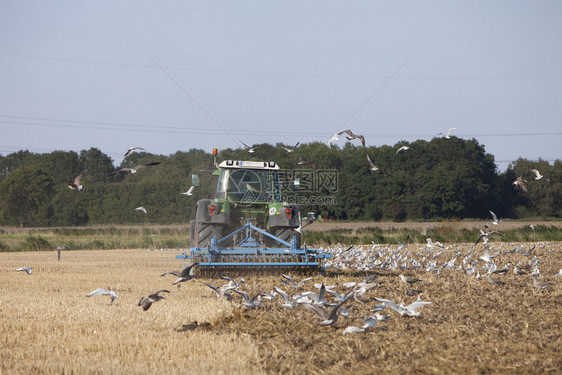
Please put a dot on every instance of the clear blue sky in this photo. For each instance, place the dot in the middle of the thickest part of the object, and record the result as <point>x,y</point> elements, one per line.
<point>80,74</point>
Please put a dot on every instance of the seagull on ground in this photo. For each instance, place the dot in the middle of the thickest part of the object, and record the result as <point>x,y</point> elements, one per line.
<point>521,183</point>
<point>448,135</point>
<point>518,272</point>
<point>408,280</point>
<point>350,136</point>
<point>134,169</point>
<point>494,280</point>
<point>293,283</point>
<point>403,148</point>
<point>141,209</point>
<point>189,192</point>
<point>409,310</point>
<point>131,149</point>
<point>77,183</point>
<point>496,221</point>
<point>535,272</point>
<point>147,301</point>
<point>103,292</point>
<point>412,292</point>
<point>503,270</point>
<point>559,274</point>
<point>26,269</point>
<point>60,249</point>
<point>292,148</point>
<point>251,150</point>
<point>538,174</point>
<point>540,284</point>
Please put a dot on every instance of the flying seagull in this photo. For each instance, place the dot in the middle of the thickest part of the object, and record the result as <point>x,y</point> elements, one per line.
<point>77,184</point>
<point>486,257</point>
<point>403,244</point>
<point>333,139</point>
<point>409,310</point>
<point>26,269</point>
<point>251,150</point>
<point>189,192</point>
<point>223,291</point>
<point>448,135</point>
<point>287,301</point>
<point>232,282</point>
<point>292,148</point>
<point>301,161</point>
<point>104,292</point>
<point>147,301</point>
<point>496,221</point>
<point>131,149</point>
<point>486,236</point>
<point>538,175</point>
<point>141,209</point>
<point>183,275</point>
<point>372,166</point>
<point>403,148</point>
<point>521,183</point>
<point>328,317</point>
<point>250,303</point>
<point>368,322</point>
<point>293,283</point>
<point>134,169</point>
<point>350,136</point>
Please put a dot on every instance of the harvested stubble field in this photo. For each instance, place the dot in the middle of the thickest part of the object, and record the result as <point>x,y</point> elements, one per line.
<point>48,324</point>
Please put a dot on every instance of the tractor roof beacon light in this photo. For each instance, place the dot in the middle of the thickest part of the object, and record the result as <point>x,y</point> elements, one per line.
<point>215,153</point>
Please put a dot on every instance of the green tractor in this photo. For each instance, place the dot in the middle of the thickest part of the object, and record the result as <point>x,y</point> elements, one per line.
<point>247,192</point>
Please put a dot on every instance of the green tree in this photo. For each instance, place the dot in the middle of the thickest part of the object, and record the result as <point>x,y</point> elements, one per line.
<point>25,196</point>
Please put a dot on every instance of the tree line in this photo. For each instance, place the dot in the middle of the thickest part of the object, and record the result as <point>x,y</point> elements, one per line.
<point>431,180</point>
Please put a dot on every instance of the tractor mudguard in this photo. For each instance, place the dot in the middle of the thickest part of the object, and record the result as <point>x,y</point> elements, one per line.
<point>220,215</point>
<point>278,217</point>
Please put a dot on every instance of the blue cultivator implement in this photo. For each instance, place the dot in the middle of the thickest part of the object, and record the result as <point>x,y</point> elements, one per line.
<point>247,252</point>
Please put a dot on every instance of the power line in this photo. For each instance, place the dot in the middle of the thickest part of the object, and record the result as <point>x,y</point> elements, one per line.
<point>203,130</point>
<point>281,74</point>
<point>195,101</point>
<point>375,93</point>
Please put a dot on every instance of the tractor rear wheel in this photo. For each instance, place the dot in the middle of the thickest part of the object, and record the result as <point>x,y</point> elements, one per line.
<point>206,231</point>
<point>192,233</point>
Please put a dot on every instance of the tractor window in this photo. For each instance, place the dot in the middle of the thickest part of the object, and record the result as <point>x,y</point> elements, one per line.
<point>249,185</point>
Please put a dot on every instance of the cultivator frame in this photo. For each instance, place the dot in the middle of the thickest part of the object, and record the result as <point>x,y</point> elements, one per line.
<point>251,254</point>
